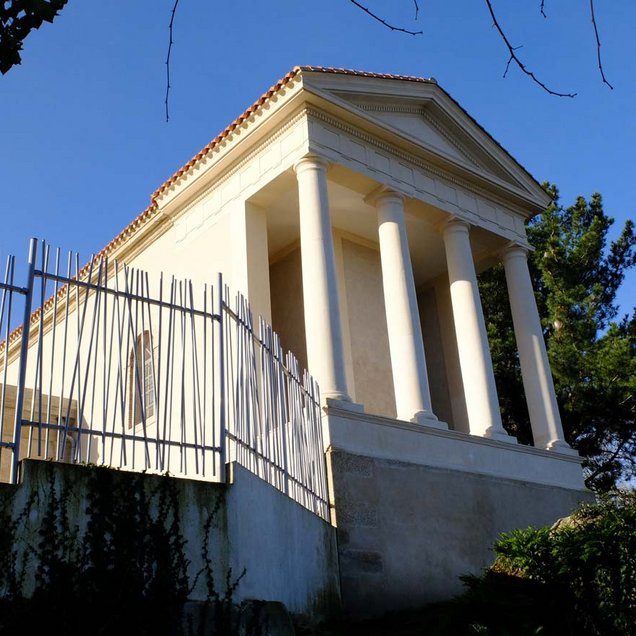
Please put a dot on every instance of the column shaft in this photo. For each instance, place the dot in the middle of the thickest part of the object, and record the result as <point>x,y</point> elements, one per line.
<point>475,362</point>
<point>323,330</point>
<point>535,368</point>
<point>408,362</point>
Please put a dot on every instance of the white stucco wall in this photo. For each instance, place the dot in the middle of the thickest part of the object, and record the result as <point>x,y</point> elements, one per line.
<point>288,314</point>
<point>435,362</point>
<point>373,378</point>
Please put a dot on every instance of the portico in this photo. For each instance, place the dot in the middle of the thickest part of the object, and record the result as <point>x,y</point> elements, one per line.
<point>335,223</point>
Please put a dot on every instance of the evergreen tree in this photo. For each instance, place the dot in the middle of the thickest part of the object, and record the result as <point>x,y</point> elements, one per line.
<point>576,273</point>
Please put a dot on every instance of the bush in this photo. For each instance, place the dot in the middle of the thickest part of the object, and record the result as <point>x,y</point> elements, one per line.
<point>578,577</point>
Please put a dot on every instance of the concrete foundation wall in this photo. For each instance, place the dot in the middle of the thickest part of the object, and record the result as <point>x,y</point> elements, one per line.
<point>406,532</point>
<point>288,553</point>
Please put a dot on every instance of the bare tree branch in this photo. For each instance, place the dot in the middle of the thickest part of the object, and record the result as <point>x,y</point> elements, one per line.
<point>514,58</point>
<point>417,8</point>
<point>598,45</point>
<point>384,22</point>
<point>542,9</point>
<point>170,43</point>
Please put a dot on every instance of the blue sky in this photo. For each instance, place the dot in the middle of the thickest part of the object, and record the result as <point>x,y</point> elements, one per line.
<point>84,139</point>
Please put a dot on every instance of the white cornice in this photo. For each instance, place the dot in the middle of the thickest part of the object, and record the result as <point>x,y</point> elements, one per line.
<point>445,170</point>
<point>219,173</point>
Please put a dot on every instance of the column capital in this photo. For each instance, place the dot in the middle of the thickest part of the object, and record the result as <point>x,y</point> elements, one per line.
<point>454,224</point>
<point>383,193</point>
<point>512,250</point>
<point>311,162</point>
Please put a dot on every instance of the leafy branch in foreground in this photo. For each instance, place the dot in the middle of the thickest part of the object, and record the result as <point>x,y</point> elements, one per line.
<point>17,19</point>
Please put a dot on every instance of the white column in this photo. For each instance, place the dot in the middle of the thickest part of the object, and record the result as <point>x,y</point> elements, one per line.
<point>408,362</point>
<point>472,341</point>
<point>325,355</point>
<point>535,368</point>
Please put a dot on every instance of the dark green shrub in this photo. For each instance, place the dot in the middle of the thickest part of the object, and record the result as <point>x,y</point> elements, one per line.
<point>588,562</point>
<point>576,578</point>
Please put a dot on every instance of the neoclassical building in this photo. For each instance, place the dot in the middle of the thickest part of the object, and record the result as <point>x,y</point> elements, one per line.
<point>354,211</point>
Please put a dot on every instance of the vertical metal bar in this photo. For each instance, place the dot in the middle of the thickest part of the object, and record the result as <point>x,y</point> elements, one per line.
<point>222,405</point>
<point>107,362</point>
<point>122,369</point>
<point>167,409</point>
<point>7,297</point>
<point>182,417</point>
<point>24,349</point>
<point>77,368</point>
<point>67,301</point>
<point>145,294</point>
<point>158,412</point>
<point>36,393</point>
<point>93,352</point>
<point>49,410</point>
<point>40,355</point>
<point>205,377</point>
<point>196,386</point>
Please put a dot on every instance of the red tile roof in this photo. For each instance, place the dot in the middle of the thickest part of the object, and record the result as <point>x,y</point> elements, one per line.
<point>261,100</point>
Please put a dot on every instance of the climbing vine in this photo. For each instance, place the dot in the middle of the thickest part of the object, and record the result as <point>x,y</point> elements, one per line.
<point>120,566</point>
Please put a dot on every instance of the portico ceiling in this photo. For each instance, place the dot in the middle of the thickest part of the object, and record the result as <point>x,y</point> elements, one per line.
<point>356,219</point>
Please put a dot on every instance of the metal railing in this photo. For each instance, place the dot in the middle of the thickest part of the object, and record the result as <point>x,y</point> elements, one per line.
<point>110,367</point>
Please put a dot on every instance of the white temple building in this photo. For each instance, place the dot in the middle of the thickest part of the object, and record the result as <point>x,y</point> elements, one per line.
<point>354,210</point>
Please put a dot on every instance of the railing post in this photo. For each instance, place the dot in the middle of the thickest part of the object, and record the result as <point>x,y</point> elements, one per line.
<point>24,350</point>
<point>222,361</point>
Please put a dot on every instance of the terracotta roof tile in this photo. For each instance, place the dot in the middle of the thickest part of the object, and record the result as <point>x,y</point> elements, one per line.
<point>129,230</point>
<point>263,98</point>
<point>235,124</point>
<point>348,71</point>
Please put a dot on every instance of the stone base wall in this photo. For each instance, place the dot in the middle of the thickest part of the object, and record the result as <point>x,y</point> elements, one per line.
<point>406,532</point>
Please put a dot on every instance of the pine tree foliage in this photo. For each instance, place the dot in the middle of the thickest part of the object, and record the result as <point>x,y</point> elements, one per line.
<point>576,272</point>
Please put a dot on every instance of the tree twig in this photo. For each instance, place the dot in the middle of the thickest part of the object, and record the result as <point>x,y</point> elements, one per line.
<point>542,9</point>
<point>384,22</point>
<point>598,45</point>
<point>606,463</point>
<point>170,43</point>
<point>417,8</point>
<point>514,58</point>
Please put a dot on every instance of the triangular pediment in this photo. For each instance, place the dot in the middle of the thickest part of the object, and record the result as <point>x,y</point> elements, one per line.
<point>426,124</point>
<point>422,114</point>
<point>414,123</point>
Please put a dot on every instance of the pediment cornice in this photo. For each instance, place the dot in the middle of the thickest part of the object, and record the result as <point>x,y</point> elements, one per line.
<point>436,165</point>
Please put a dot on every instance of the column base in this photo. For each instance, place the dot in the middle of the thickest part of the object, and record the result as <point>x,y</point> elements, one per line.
<point>500,436</point>
<point>339,403</point>
<point>559,446</point>
<point>428,419</point>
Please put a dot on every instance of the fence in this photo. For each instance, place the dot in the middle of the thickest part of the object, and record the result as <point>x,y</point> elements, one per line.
<point>114,368</point>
